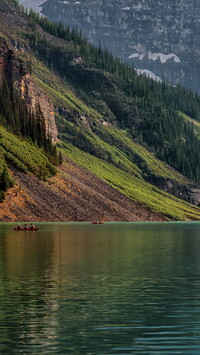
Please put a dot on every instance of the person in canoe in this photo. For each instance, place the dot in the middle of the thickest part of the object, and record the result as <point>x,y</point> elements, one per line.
<point>19,226</point>
<point>32,226</point>
<point>25,227</point>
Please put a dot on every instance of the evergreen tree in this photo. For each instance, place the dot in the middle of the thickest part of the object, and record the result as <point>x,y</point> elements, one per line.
<point>60,159</point>
<point>5,179</point>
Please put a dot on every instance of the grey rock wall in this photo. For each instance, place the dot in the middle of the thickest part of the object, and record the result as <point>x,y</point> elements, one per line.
<point>160,37</point>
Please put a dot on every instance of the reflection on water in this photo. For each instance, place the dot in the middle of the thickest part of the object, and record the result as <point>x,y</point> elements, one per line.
<point>100,289</point>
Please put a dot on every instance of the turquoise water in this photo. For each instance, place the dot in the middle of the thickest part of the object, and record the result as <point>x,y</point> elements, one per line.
<point>117,288</point>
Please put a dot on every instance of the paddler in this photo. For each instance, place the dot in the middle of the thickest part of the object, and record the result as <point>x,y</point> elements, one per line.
<point>32,226</point>
<point>19,226</point>
<point>26,227</point>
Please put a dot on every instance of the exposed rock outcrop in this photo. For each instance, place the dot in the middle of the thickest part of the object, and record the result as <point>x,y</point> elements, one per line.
<point>188,193</point>
<point>33,95</point>
<point>14,71</point>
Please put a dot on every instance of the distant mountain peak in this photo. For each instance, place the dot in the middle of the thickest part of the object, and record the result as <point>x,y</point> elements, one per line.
<point>34,4</point>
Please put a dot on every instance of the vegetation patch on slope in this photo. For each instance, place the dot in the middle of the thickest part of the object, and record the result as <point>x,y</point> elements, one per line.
<point>148,110</point>
<point>107,142</point>
<point>24,155</point>
<point>136,189</point>
<point>147,161</point>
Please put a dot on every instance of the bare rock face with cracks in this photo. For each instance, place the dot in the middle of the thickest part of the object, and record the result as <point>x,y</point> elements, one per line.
<point>14,71</point>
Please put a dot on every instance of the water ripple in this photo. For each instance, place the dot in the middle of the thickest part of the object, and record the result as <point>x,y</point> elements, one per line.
<point>128,290</point>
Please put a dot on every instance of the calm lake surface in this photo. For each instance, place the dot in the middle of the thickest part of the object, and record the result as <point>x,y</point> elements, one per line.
<point>117,288</point>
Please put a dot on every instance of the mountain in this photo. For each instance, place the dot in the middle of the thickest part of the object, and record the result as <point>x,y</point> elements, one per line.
<point>35,5</point>
<point>129,146</point>
<point>161,38</point>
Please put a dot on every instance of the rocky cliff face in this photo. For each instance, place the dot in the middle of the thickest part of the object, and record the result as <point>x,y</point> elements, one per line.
<point>15,72</point>
<point>188,192</point>
<point>160,37</point>
<point>33,96</point>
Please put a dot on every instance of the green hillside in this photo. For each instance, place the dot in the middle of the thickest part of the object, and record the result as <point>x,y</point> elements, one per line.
<point>149,111</point>
<point>100,138</point>
<point>21,154</point>
<point>24,143</point>
<point>133,133</point>
<point>133,187</point>
<point>24,155</point>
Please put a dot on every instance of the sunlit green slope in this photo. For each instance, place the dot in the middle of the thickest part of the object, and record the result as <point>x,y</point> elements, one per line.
<point>125,129</point>
<point>107,140</point>
<point>133,187</point>
<point>23,155</point>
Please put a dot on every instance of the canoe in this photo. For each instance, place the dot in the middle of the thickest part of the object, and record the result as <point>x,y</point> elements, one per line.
<point>23,229</point>
<point>96,222</point>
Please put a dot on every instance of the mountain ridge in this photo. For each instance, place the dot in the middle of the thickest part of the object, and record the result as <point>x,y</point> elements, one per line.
<point>159,36</point>
<point>103,111</point>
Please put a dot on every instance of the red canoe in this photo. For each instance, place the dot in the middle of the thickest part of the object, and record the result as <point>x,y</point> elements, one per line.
<point>32,229</point>
<point>96,222</point>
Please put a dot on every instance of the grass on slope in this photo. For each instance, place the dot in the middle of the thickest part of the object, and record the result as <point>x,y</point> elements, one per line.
<point>137,153</point>
<point>136,189</point>
<point>114,146</point>
<point>114,142</point>
<point>111,141</point>
<point>58,90</point>
<point>195,124</point>
<point>24,155</point>
<point>85,139</point>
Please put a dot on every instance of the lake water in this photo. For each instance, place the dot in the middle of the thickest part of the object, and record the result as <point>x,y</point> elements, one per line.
<point>117,288</point>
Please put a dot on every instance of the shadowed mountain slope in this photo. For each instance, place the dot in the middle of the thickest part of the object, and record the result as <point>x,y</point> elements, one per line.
<point>161,38</point>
